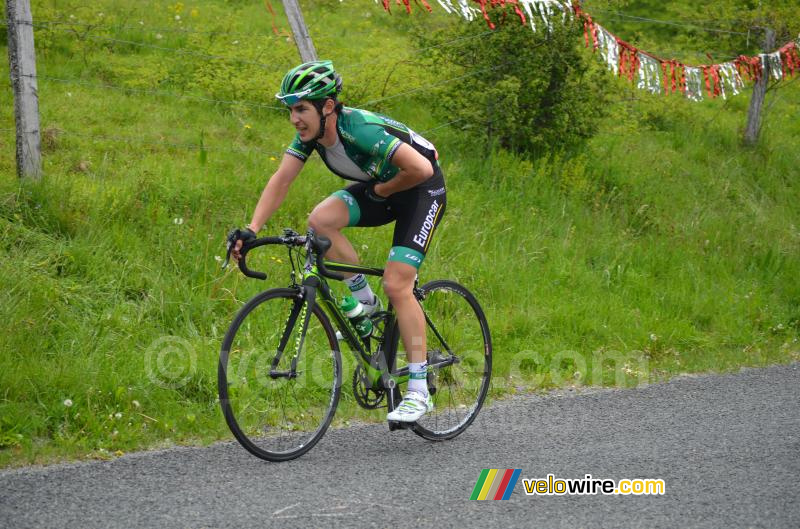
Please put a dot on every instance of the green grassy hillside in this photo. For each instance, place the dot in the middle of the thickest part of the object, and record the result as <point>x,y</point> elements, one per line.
<point>663,246</point>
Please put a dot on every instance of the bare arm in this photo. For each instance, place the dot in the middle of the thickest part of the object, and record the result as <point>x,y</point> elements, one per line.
<point>273,195</point>
<point>414,169</point>
<point>275,191</point>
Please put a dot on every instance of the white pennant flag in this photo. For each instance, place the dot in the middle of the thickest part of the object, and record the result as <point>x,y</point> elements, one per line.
<point>775,64</point>
<point>694,83</point>
<point>607,45</point>
<point>649,74</point>
<point>544,8</point>
<point>730,75</point>
<point>464,10</point>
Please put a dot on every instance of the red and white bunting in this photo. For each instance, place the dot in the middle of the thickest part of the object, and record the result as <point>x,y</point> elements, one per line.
<point>649,72</point>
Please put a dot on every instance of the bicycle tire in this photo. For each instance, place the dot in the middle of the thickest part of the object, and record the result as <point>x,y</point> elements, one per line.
<point>460,388</point>
<point>278,419</point>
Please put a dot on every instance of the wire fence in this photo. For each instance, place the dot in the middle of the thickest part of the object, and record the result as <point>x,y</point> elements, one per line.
<point>177,51</point>
<point>282,35</point>
<point>68,28</point>
<point>383,58</point>
<point>165,143</point>
<point>73,27</point>
<point>674,23</point>
<point>160,93</point>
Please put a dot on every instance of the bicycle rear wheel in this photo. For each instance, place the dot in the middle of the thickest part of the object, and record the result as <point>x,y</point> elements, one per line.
<point>457,334</point>
<point>276,416</point>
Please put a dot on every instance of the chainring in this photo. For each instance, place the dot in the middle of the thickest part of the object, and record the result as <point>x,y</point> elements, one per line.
<point>366,397</point>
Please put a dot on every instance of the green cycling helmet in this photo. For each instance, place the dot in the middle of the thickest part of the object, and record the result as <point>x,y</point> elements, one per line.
<point>312,80</point>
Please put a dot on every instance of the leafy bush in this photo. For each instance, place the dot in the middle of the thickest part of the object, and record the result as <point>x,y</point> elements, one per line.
<point>530,92</point>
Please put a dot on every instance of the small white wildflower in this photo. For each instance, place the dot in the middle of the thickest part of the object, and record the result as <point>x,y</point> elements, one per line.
<point>177,17</point>
<point>236,42</point>
<point>135,403</point>
<point>159,36</point>
<point>69,94</point>
<point>653,337</point>
<point>118,415</point>
<point>68,403</point>
<point>72,16</point>
<point>364,247</point>
<point>141,23</point>
<point>178,220</point>
<point>100,15</point>
<point>217,258</point>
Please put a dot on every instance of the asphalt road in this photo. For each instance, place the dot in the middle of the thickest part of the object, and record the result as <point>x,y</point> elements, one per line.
<point>727,447</point>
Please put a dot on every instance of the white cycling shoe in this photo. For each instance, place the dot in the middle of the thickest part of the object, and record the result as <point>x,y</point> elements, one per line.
<point>413,406</point>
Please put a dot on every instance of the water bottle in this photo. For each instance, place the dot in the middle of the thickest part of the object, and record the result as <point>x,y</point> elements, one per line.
<point>354,310</point>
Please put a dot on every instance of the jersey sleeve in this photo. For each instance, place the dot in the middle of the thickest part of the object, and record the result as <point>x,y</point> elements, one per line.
<point>371,138</point>
<point>299,149</point>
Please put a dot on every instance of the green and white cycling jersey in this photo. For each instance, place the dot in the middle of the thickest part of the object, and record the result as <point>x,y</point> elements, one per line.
<point>369,141</point>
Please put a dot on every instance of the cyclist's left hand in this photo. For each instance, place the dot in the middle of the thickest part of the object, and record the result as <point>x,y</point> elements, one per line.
<point>373,193</point>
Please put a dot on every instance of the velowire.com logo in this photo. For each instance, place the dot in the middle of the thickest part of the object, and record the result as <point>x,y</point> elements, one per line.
<point>498,484</point>
<point>495,484</point>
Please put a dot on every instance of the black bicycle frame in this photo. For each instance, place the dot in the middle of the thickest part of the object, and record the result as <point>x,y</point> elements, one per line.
<point>314,288</point>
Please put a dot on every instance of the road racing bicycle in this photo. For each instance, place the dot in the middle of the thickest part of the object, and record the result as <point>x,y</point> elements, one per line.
<point>280,365</point>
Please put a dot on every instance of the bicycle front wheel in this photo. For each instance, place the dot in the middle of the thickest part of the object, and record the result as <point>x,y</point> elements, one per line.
<point>276,412</point>
<point>459,359</point>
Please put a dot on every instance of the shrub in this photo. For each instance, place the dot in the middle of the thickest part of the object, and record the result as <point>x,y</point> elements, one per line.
<point>530,92</point>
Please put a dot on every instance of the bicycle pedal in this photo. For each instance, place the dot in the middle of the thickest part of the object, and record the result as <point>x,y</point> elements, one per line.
<point>398,425</point>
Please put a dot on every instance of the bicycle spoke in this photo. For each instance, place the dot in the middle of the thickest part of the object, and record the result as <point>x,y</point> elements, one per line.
<point>280,416</point>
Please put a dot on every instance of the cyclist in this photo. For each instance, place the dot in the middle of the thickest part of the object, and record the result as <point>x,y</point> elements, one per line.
<point>397,179</point>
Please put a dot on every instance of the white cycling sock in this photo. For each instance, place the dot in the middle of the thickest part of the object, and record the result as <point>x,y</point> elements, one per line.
<point>360,289</point>
<point>418,377</point>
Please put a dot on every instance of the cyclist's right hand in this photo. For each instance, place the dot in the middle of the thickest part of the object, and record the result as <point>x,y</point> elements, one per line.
<point>236,238</point>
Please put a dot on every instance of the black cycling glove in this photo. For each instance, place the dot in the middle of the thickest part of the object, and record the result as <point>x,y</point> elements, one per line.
<point>372,195</point>
<point>245,235</point>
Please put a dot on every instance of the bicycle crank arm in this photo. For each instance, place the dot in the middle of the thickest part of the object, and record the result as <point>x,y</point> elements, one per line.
<point>444,362</point>
<point>273,374</point>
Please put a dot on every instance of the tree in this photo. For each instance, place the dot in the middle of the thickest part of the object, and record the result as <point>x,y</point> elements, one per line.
<point>528,92</point>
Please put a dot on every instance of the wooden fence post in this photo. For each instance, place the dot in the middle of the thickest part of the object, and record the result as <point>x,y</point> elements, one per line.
<point>22,69</point>
<point>300,31</point>
<point>753,128</point>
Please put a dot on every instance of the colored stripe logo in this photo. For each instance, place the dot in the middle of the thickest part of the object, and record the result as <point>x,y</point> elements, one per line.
<point>495,484</point>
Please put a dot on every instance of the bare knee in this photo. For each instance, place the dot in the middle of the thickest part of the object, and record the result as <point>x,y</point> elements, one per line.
<point>318,222</point>
<point>397,287</point>
<point>328,217</point>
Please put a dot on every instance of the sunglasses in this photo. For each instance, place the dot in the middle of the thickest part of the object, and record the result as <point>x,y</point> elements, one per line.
<point>291,99</point>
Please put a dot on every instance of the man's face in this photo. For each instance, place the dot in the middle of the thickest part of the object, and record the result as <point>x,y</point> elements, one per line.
<point>305,119</point>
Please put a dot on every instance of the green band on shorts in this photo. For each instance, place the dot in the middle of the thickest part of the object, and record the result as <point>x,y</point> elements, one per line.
<point>410,256</point>
<point>352,206</point>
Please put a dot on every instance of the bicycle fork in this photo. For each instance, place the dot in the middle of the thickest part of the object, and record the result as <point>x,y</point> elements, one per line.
<point>303,308</point>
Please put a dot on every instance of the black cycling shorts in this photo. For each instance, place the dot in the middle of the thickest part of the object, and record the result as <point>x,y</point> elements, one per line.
<point>416,213</point>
